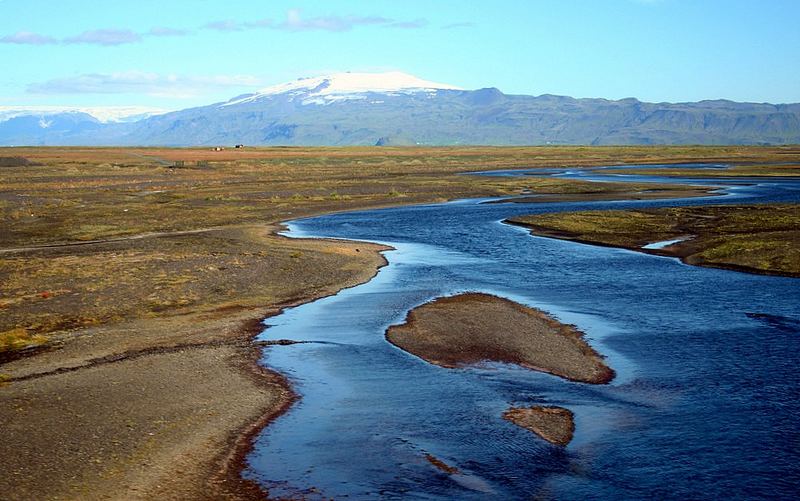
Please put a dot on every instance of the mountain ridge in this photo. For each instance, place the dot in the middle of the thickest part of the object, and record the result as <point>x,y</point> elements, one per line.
<point>397,108</point>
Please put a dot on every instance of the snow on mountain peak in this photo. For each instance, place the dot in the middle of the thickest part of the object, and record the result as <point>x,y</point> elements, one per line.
<point>104,114</point>
<point>339,86</point>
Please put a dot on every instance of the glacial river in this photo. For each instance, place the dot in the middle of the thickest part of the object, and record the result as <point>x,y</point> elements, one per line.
<point>704,406</point>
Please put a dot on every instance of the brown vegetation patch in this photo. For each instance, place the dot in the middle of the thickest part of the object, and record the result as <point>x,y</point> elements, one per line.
<point>15,162</point>
<point>746,170</point>
<point>627,194</point>
<point>49,290</point>
<point>752,238</point>
<point>472,328</point>
<point>160,405</point>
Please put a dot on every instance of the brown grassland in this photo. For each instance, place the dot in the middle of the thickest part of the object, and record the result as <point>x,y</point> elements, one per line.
<point>130,292</point>
<point>753,238</point>
<point>757,170</point>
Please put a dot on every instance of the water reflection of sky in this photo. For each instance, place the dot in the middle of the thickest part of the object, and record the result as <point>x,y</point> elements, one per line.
<point>702,407</point>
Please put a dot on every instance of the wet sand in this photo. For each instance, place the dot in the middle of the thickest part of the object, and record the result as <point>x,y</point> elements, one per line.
<point>554,424</point>
<point>472,328</point>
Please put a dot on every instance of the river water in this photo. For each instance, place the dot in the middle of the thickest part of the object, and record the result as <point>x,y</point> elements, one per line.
<point>704,404</point>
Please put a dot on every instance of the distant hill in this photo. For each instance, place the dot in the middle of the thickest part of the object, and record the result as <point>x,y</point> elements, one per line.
<point>399,109</point>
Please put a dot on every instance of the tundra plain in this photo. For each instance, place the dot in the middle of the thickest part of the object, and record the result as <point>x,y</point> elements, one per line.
<point>131,289</point>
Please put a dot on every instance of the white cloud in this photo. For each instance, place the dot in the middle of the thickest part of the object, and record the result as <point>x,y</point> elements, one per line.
<point>105,37</point>
<point>28,38</point>
<point>138,82</point>
<point>295,21</point>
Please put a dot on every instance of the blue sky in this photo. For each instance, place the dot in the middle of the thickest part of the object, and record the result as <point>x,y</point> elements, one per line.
<point>175,53</point>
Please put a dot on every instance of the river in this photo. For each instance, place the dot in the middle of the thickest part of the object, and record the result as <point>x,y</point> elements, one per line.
<point>704,404</point>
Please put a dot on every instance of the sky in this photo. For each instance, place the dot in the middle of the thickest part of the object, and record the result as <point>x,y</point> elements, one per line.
<point>174,54</point>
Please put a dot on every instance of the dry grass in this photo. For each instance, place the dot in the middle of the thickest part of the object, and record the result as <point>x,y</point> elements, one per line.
<point>17,339</point>
<point>76,194</point>
<point>757,170</point>
<point>74,287</point>
<point>69,195</point>
<point>153,381</point>
<point>755,238</point>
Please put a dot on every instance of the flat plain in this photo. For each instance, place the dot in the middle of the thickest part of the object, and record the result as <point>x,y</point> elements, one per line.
<point>131,286</point>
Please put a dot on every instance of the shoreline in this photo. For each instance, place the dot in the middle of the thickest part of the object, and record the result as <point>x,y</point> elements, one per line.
<point>608,196</point>
<point>683,258</point>
<point>235,462</point>
<point>200,448</point>
<point>217,336</point>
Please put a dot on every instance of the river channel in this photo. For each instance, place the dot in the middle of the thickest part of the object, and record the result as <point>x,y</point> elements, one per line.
<point>704,404</point>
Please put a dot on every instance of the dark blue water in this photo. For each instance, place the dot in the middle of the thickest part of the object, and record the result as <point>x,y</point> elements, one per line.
<point>704,405</point>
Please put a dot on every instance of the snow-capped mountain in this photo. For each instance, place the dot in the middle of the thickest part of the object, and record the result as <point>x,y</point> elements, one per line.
<point>104,114</point>
<point>399,109</point>
<point>45,125</point>
<point>344,86</point>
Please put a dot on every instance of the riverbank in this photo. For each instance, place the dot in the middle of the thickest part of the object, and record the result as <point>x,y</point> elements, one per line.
<point>163,407</point>
<point>122,275</point>
<point>612,191</point>
<point>471,328</point>
<point>146,423</point>
<point>760,239</point>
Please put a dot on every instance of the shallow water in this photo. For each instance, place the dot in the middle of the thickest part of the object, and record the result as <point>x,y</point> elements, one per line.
<point>704,403</point>
<point>664,243</point>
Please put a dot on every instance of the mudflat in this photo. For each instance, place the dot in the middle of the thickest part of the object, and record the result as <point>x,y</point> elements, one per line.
<point>554,424</point>
<point>472,328</point>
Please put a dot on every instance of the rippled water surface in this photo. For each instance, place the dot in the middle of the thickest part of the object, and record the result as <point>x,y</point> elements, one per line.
<point>704,405</point>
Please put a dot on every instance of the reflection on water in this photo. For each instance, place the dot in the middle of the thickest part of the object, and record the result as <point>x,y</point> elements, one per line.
<point>704,404</point>
<point>664,243</point>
